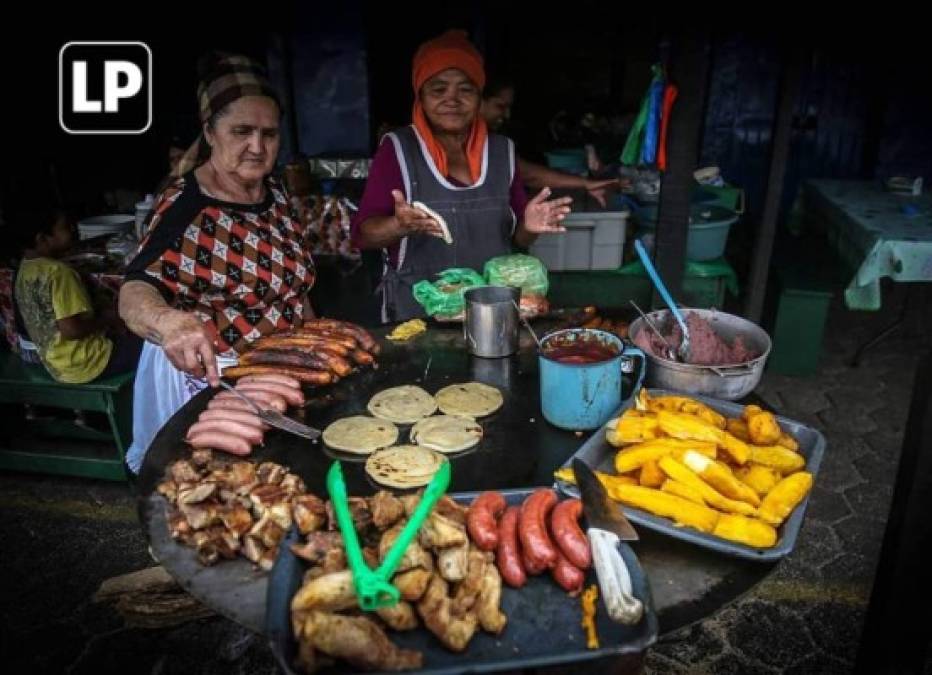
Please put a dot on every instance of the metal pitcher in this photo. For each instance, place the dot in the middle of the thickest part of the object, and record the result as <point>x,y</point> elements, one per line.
<point>490,325</point>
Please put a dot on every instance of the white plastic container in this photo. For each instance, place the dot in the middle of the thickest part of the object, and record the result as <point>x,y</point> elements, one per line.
<point>592,241</point>
<point>97,226</point>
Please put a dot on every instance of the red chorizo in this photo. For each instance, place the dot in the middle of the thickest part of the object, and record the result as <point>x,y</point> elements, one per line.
<point>532,567</point>
<point>569,577</point>
<point>480,519</point>
<point>508,555</point>
<point>567,535</point>
<point>532,528</point>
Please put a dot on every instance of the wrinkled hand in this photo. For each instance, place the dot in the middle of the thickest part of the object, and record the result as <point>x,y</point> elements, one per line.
<point>599,189</point>
<point>188,345</point>
<point>542,216</point>
<point>412,220</point>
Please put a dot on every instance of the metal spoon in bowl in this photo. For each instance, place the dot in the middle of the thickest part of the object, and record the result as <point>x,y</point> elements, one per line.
<point>671,354</point>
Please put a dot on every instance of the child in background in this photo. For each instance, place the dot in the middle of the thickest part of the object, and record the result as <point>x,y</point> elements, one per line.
<point>75,344</point>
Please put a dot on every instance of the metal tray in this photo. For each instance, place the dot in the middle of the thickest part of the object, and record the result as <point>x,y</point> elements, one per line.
<point>598,454</point>
<point>543,622</point>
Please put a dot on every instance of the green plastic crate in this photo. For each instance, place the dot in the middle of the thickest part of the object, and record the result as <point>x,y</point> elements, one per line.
<point>798,313</point>
<point>614,288</point>
<point>603,288</point>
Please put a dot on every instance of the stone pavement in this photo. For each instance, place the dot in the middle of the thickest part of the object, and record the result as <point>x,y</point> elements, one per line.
<point>807,616</point>
<point>59,538</point>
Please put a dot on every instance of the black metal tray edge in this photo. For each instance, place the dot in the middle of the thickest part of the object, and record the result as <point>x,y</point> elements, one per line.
<point>789,531</point>
<point>288,570</point>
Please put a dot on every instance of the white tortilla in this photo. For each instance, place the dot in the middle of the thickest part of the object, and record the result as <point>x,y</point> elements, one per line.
<point>360,434</point>
<point>402,405</point>
<point>470,399</point>
<point>446,433</point>
<point>447,237</point>
<point>404,466</point>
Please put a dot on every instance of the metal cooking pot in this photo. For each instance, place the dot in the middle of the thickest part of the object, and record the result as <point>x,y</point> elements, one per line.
<point>729,382</point>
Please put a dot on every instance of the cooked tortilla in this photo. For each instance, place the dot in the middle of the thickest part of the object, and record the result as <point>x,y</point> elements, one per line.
<point>470,399</point>
<point>446,433</point>
<point>402,405</point>
<point>360,434</point>
<point>447,237</point>
<point>404,466</point>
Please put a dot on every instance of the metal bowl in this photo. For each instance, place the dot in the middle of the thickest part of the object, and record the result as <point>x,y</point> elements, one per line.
<point>729,382</point>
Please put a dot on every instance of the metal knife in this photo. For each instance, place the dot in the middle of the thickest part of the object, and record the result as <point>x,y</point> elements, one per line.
<point>607,528</point>
<point>271,417</point>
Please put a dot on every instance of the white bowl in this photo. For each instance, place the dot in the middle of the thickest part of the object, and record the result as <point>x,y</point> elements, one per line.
<point>96,226</point>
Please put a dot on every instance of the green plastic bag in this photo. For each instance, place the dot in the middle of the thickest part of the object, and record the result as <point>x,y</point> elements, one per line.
<point>445,295</point>
<point>523,271</point>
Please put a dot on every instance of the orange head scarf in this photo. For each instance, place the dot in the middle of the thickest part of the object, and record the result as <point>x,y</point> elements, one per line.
<point>450,50</point>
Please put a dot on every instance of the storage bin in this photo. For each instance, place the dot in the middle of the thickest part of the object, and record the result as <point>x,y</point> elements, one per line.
<point>592,241</point>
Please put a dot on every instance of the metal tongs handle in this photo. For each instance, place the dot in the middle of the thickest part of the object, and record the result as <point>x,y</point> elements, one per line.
<point>373,589</point>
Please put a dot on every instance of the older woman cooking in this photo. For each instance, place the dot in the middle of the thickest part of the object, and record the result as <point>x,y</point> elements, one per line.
<point>447,161</point>
<point>223,261</point>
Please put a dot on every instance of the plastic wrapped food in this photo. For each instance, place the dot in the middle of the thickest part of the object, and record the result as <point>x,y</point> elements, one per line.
<point>444,297</point>
<point>522,271</point>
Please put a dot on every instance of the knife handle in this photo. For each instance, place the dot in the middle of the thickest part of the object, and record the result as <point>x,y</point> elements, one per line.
<point>614,579</point>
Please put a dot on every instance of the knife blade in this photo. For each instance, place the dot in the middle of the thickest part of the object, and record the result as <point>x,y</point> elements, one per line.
<point>606,528</point>
<point>271,417</point>
<point>601,510</point>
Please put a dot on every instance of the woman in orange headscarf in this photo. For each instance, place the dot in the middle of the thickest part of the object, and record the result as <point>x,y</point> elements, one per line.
<point>448,162</point>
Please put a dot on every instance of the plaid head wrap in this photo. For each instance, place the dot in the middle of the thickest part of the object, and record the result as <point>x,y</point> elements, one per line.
<point>223,78</point>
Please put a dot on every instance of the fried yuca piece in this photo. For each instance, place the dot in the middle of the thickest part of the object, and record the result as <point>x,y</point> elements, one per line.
<point>674,487</point>
<point>720,477</point>
<point>777,457</point>
<point>758,477</point>
<point>651,476</point>
<point>684,425</point>
<point>635,456</point>
<point>710,495</point>
<point>749,531</point>
<point>679,510</point>
<point>784,497</point>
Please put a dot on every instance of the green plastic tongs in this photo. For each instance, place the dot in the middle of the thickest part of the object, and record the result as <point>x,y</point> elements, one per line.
<point>373,589</point>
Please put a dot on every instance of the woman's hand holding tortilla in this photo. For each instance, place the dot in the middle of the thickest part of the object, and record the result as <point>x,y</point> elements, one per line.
<point>412,220</point>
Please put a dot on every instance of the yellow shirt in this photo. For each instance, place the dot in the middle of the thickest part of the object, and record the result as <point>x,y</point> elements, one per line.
<point>48,290</point>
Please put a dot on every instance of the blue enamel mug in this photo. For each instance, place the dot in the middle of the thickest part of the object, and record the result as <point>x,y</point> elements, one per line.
<point>579,396</point>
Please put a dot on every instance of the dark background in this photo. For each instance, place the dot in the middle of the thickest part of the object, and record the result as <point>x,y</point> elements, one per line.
<point>864,110</point>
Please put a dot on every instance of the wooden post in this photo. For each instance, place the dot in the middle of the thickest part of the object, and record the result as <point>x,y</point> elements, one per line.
<point>763,243</point>
<point>689,71</point>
